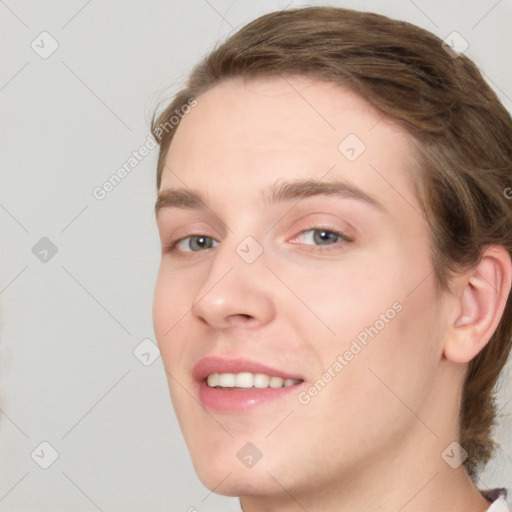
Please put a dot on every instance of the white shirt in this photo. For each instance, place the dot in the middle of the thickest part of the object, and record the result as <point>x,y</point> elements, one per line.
<point>500,505</point>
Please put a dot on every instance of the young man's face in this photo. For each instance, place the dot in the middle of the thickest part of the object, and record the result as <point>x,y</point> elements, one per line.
<point>354,317</point>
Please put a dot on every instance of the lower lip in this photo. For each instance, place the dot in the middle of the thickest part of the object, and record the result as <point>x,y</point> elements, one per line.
<point>230,400</point>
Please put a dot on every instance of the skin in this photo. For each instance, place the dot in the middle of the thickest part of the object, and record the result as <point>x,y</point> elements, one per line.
<point>372,438</point>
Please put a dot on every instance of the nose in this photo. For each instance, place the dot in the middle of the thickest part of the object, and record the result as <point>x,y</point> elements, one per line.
<point>234,293</point>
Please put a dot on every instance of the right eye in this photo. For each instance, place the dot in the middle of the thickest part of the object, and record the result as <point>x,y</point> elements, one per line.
<point>194,243</point>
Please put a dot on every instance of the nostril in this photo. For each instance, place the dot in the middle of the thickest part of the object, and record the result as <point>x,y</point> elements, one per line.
<point>240,319</point>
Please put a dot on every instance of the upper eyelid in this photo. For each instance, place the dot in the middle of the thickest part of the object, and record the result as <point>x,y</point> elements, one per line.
<point>312,224</point>
<point>302,231</point>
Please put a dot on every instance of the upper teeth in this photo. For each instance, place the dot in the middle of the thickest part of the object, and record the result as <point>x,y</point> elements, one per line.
<point>248,380</point>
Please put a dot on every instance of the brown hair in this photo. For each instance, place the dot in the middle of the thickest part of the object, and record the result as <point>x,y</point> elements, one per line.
<point>462,133</point>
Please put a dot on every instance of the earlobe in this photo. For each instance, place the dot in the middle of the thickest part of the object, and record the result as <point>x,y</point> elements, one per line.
<point>483,295</point>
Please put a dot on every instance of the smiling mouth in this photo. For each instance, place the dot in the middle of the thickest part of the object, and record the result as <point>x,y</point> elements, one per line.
<point>247,380</point>
<point>239,385</point>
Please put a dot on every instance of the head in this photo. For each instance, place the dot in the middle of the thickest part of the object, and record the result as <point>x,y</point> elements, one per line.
<point>275,105</point>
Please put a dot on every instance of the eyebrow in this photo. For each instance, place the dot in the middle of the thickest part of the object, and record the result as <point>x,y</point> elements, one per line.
<point>275,193</point>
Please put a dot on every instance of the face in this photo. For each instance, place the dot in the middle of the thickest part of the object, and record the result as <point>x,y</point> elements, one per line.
<point>296,262</point>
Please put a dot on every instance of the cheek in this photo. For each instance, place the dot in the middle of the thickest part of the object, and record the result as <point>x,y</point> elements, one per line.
<point>394,371</point>
<point>384,326</point>
<point>171,300</point>
<point>171,306</point>
<point>170,309</point>
<point>338,300</point>
<point>371,398</point>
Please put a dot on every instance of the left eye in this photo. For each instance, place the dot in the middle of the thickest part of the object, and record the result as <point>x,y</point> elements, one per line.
<point>321,237</point>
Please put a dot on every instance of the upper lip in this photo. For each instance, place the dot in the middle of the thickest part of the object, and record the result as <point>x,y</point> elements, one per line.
<point>215,364</point>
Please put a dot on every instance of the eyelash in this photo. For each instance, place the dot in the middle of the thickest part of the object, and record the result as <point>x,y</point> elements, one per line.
<point>172,247</point>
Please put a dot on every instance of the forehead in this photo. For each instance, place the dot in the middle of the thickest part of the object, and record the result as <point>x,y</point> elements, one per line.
<point>245,133</point>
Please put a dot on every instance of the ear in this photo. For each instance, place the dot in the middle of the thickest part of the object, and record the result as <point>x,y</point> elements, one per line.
<point>482,294</point>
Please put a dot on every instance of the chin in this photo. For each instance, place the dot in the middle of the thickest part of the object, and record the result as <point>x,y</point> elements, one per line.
<point>240,482</point>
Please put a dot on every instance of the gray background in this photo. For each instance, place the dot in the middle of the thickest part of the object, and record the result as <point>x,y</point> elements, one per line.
<point>70,324</point>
